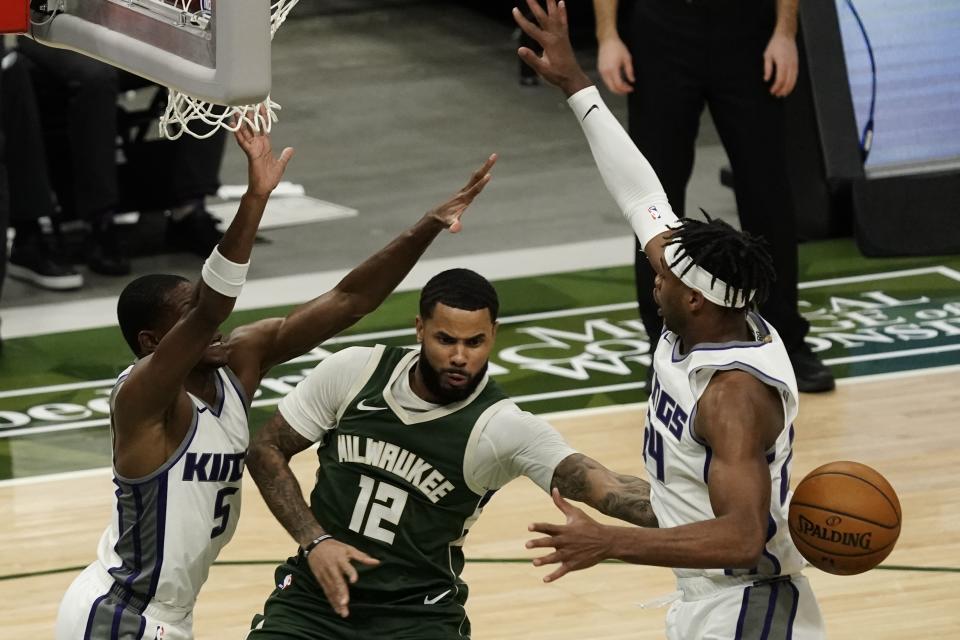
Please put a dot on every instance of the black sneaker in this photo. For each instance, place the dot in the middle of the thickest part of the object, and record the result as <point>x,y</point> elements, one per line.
<point>106,249</point>
<point>36,264</point>
<point>106,261</point>
<point>196,232</point>
<point>812,375</point>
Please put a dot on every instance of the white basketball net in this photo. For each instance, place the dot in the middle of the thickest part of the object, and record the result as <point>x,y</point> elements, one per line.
<point>202,119</point>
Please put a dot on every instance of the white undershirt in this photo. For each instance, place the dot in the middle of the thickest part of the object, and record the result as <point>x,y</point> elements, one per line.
<point>512,443</point>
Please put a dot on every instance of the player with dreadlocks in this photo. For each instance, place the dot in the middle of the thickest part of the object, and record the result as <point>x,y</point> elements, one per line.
<point>719,425</point>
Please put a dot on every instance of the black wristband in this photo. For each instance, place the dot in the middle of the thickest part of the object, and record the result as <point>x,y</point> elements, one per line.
<point>313,543</point>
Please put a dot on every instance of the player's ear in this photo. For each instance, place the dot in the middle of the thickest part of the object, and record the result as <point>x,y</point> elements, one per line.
<point>419,326</point>
<point>148,342</point>
<point>695,299</point>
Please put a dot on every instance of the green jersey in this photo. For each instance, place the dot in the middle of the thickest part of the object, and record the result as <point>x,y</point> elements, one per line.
<point>391,484</point>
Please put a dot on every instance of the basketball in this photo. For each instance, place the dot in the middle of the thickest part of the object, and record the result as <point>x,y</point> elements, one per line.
<point>844,518</point>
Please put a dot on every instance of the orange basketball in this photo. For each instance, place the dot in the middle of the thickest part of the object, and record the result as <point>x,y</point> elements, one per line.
<point>844,518</point>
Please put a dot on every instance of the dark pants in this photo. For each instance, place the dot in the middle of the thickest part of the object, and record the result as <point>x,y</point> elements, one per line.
<point>78,95</point>
<point>29,186</point>
<point>77,98</point>
<point>688,55</point>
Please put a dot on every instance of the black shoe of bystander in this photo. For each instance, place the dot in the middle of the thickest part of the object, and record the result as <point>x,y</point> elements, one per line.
<point>106,250</point>
<point>812,375</point>
<point>34,261</point>
<point>195,232</point>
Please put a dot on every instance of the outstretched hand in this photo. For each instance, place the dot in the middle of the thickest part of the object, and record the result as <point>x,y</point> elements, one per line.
<point>558,65</point>
<point>579,544</point>
<point>332,565</point>
<point>264,170</point>
<point>449,213</point>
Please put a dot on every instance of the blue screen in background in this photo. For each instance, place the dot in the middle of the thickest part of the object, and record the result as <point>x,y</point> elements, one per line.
<point>916,47</point>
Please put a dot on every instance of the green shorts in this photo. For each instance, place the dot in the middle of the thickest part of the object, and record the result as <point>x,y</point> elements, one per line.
<point>297,609</point>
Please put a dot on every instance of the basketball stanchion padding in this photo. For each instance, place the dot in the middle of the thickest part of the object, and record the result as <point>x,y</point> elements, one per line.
<point>844,518</point>
<point>14,16</point>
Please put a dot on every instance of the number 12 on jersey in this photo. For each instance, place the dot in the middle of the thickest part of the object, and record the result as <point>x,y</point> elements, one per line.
<point>388,504</point>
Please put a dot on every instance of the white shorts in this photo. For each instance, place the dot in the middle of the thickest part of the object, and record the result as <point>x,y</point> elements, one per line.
<point>734,608</point>
<point>92,610</point>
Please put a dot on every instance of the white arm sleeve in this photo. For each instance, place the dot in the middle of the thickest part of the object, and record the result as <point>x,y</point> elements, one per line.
<point>515,443</point>
<point>629,177</point>
<point>311,408</point>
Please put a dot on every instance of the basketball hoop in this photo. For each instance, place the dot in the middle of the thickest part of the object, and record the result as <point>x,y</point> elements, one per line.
<point>201,118</point>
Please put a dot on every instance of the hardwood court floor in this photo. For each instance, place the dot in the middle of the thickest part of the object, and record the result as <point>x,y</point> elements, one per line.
<point>905,427</point>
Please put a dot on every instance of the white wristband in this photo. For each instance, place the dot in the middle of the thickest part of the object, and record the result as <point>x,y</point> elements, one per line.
<point>224,276</point>
<point>629,177</point>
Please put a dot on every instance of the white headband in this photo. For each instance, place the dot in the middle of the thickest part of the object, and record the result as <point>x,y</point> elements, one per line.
<point>696,277</point>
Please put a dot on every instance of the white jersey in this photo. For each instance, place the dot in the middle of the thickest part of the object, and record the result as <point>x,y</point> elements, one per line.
<point>678,462</point>
<point>168,527</point>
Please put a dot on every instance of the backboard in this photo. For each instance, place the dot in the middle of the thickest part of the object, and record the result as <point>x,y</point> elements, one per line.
<point>215,51</point>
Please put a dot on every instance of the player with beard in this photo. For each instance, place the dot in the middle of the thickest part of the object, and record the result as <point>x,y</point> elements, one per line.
<point>412,446</point>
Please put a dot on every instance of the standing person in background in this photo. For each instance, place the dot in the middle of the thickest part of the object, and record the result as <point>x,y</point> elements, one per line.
<point>78,96</point>
<point>739,58</point>
<point>34,258</point>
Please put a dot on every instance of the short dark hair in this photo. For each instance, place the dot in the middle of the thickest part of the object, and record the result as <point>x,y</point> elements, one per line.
<point>738,259</point>
<point>460,289</point>
<point>142,303</point>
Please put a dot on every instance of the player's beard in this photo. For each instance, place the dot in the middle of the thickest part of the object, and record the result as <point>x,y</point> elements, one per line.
<point>445,394</point>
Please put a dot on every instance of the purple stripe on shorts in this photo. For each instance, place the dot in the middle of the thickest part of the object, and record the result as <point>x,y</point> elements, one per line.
<point>793,609</point>
<point>117,617</point>
<point>93,613</point>
<point>771,607</point>
<point>743,613</point>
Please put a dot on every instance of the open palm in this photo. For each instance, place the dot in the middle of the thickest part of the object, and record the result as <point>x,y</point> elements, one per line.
<point>449,212</point>
<point>265,170</point>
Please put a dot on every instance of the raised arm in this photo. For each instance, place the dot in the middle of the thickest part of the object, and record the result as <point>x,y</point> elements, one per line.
<point>617,495</point>
<point>628,176</point>
<point>739,418</point>
<point>273,341</point>
<point>155,385</point>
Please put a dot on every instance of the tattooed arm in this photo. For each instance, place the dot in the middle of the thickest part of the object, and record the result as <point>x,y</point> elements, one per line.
<point>331,560</point>
<point>268,460</point>
<point>581,478</point>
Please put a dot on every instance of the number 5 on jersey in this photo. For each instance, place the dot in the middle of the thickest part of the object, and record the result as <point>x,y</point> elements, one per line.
<point>388,504</point>
<point>221,510</point>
